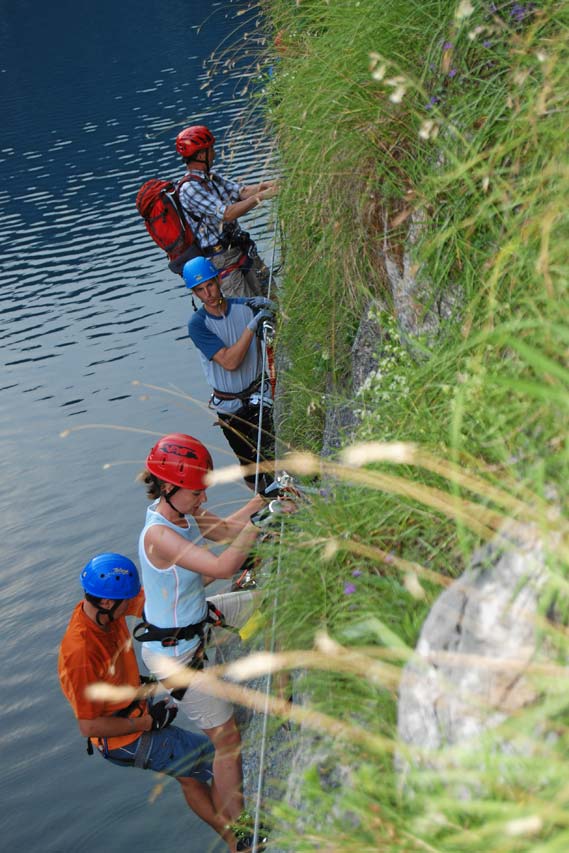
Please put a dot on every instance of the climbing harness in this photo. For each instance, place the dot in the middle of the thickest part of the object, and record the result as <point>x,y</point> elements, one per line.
<point>145,632</point>
<point>245,394</point>
<point>136,704</point>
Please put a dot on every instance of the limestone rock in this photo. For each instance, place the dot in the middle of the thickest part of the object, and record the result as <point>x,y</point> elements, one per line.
<point>419,308</point>
<point>341,419</point>
<point>469,670</point>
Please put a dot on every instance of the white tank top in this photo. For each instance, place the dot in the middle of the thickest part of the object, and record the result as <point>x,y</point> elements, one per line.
<point>174,596</point>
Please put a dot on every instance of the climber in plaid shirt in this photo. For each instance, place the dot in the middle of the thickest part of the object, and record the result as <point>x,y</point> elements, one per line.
<point>213,204</point>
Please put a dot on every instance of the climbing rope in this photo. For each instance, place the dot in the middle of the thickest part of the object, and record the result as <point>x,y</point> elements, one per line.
<point>260,781</point>
<point>261,778</point>
<point>264,371</point>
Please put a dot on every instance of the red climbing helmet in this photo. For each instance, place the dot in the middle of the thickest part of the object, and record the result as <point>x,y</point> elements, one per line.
<point>181,460</point>
<point>193,139</point>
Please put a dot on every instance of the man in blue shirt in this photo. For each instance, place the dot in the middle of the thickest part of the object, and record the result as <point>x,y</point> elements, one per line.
<point>225,331</point>
<point>212,205</point>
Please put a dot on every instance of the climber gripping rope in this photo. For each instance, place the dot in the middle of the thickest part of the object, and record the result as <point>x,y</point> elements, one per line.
<point>212,205</point>
<point>96,647</point>
<point>231,336</point>
<point>179,621</point>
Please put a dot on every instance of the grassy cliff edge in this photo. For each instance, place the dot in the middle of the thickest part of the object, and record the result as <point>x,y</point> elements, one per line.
<point>425,138</point>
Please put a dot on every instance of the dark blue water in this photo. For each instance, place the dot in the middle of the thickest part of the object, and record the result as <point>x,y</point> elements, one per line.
<point>92,327</point>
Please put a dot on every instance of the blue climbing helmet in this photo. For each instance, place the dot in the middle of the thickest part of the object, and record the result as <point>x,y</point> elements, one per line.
<point>110,576</point>
<point>198,270</point>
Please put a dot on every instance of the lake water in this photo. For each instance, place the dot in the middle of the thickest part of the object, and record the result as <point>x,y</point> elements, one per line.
<point>92,97</point>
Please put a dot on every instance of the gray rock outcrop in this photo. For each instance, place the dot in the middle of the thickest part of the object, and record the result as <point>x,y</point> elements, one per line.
<point>469,672</point>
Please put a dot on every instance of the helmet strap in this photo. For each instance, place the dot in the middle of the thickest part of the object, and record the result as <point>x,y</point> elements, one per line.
<point>110,613</point>
<point>168,498</point>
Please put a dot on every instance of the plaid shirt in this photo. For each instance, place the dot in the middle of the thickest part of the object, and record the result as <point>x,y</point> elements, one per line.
<point>207,199</point>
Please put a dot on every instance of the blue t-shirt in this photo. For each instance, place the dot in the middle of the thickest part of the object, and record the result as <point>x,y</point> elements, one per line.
<point>210,334</point>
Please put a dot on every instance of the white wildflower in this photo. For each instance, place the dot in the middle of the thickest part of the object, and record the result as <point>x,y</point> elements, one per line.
<point>379,72</point>
<point>397,96</point>
<point>475,32</point>
<point>399,84</point>
<point>463,10</point>
<point>377,67</point>
<point>429,129</point>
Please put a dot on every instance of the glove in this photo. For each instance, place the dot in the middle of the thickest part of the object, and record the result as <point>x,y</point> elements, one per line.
<point>258,302</point>
<point>260,318</point>
<point>163,714</point>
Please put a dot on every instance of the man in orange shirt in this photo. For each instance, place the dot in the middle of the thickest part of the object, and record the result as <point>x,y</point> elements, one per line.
<point>97,647</point>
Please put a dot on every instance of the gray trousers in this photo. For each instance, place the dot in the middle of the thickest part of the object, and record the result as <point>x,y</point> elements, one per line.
<point>237,282</point>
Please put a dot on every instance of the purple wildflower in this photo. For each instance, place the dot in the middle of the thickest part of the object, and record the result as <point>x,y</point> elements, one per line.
<point>453,72</point>
<point>518,11</point>
<point>356,573</point>
<point>349,588</point>
<point>433,100</point>
<point>487,43</point>
<point>447,45</point>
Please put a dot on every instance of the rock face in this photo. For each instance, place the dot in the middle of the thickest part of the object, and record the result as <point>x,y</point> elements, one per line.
<point>469,670</point>
<point>419,308</point>
<point>419,312</point>
<point>341,420</point>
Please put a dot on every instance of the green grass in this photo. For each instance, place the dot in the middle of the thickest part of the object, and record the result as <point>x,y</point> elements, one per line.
<point>489,186</point>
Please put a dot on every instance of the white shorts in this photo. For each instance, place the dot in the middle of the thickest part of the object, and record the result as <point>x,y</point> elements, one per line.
<point>203,710</point>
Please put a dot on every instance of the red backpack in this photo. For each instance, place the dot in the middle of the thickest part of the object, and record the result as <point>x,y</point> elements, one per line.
<point>159,205</point>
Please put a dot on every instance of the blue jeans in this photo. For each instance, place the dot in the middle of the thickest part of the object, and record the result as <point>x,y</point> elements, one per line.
<point>174,751</point>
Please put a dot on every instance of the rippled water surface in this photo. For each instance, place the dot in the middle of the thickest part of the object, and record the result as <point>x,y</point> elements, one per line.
<point>95,363</point>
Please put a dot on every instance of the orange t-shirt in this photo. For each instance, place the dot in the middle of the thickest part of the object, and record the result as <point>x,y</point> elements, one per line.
<point>89,654</point>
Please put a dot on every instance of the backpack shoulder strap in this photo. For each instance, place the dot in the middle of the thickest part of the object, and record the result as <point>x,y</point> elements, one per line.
<point>179,185</point>
<point>187,178</point>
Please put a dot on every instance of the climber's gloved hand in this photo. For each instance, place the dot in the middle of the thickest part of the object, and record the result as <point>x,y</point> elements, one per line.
<point>259,302</point>
<point>163,714</point>
<point>259,319</point>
